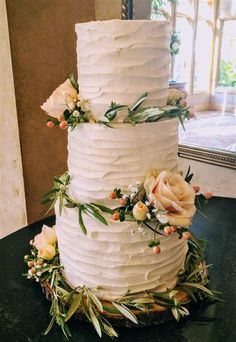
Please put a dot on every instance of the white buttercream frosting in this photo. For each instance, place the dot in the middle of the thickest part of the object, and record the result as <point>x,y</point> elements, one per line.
<point>114,259</point>
<point>118,60</point>
<point>101,158</point>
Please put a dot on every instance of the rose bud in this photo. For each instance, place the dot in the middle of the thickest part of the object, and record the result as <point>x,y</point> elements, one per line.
<point>187,235</point>
<point>48,252</point>
<point>113,195</point>
<point>156,249</point>
<point>173,229</point>
<point>116,216</point>
<point>196,188</point>
<point>123,201</point>
<point>140,211</point>
<point>208,195</point>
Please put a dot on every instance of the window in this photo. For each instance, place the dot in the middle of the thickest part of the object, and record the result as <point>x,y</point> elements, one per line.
<point>227,65</point>
<point>182,61</point>
<point>194,22</point>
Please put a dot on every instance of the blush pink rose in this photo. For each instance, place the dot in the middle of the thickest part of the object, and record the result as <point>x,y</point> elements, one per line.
<point>64,97</point>
<point>172,196</point>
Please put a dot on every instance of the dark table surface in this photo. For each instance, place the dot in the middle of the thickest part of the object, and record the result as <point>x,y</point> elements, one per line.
<point>24,312</point>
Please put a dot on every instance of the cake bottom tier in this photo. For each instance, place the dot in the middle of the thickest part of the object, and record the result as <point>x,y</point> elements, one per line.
<point>115,259</point>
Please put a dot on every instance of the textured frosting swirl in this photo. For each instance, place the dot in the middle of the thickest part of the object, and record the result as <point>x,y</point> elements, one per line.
<point>101,158</point>
<point>114,259</point>
<point>111,259</point>
<point>120,59</point>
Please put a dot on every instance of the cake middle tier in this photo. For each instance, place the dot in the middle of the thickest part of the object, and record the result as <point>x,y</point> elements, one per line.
<point>102,158</point>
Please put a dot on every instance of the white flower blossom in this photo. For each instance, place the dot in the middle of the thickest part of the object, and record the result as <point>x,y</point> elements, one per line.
<point>39,274</point>
<point>76,113</point>
<point>149,216</point>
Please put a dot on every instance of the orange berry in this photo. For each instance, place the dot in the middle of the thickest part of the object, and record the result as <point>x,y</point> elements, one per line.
<point>30,264</point>
<point>208,195</point>
<point>116,216</point>
<point>187,235</point>
<point>50,124</point>
<point>167,230</point>
<point>173,228</point>
<point>123,201</point>
<point>63,125</point>
<point>156,249</point>
<point>113,195</point>
<point>33,270</point>
<point>196,188</point>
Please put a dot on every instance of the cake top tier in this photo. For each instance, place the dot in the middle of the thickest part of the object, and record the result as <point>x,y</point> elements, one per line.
<point>118,60</point>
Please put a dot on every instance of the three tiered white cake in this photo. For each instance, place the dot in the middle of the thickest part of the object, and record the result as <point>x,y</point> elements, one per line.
<point>118,61</point>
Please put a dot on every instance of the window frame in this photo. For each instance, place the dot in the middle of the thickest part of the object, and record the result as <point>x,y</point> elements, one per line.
<point>219,88</point>
<point>194,20</point>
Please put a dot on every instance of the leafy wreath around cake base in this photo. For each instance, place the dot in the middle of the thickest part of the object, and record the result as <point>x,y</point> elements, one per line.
<point>133,308</point>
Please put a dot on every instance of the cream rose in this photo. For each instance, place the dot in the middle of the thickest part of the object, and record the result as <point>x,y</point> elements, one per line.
<point>169,193</point>
<point>45,243</point>
<point>140,211</point>
<point>64,97</point>
<point>48,252</point>
<point>46,237</point>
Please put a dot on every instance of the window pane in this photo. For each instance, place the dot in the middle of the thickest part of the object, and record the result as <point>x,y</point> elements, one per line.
<point>182,63</point>
<point>206,9</point>
<point>185,7</point>
<point>227,75</point>
<point>203,56</point>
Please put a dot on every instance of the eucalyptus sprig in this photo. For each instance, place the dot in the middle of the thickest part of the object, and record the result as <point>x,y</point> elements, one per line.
<point>59,194</point>
<point>137,115</point>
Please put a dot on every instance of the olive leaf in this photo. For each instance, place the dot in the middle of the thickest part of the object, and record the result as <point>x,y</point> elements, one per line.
<point>76,302</point>
<point>81,221</point>
<point>126,312</point>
